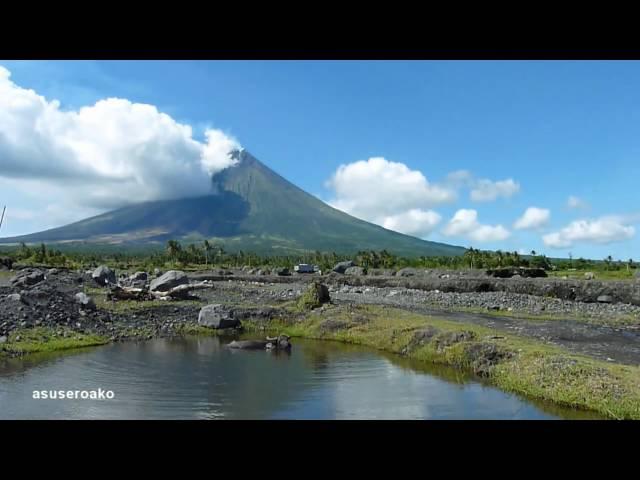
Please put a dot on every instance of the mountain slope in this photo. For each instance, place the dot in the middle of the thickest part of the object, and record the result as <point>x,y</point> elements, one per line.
<point>251,208</point>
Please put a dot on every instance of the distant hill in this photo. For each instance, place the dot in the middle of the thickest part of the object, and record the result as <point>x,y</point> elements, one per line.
<point>251,208</point>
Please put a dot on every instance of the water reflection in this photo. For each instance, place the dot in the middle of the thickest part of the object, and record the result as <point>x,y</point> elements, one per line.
<point>200,378</point>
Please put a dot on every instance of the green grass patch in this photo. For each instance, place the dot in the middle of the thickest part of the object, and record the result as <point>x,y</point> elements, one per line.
<point>510,362</point>
<point>99,296</point>
<point>621,274</point>
<point>6,274</point>
<point>42,339</point>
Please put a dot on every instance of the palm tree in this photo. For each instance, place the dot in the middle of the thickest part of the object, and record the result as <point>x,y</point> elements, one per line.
<point>470,255</point>
<point>173,249</point>
<point>608,261</point>
<point>207,249</point>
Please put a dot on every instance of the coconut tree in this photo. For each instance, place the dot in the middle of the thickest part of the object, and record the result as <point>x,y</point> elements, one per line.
<point>173,250</point>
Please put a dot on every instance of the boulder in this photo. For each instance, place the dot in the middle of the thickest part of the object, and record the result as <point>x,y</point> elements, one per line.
<point>3,339</point>
<point>355,271</point>
<point>406,272</point>
<point>85,301</point>
<point>157,272</point>
<point>168,281</point>
<point>605,299</point>
<point>138,279</point>
<point>6,263</point>
<point>27,278</point>
<point>284,271</point>
<point>589,276</point>
<point>103,275</point>
<point>342,266</point>
<point>139,276</point>
<point>315,296</point>
<point>217,317</point>
<point>14,297</point>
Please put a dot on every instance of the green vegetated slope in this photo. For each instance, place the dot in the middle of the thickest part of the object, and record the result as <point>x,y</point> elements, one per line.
<point>251,208</point>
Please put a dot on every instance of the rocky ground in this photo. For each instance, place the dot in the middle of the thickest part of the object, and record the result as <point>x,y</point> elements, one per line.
<point>608,329</point>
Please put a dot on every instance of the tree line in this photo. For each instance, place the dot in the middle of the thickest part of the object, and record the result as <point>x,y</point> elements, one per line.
<point>207,254</point>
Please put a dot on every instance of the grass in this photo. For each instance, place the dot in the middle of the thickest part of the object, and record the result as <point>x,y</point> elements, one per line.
<point>99,296</point>
<point>621,274</point>
<point>42,339</point>
<point>512,363</point>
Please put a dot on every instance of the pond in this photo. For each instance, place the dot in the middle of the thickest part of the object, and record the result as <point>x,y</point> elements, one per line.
<point>199,378</point>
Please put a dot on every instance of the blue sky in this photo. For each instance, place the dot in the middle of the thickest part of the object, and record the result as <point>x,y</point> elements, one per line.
<point>554,129</point>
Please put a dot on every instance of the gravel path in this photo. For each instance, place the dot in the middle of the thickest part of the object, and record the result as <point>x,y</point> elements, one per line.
<point>620,343</point>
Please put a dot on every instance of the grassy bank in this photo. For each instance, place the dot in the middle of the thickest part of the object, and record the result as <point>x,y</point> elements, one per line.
<point>510,362</point>
<point>40,339</point>
<point>599,274</point>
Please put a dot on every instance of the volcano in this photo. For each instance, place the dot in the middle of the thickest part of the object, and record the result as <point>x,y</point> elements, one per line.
<point>251,208</point>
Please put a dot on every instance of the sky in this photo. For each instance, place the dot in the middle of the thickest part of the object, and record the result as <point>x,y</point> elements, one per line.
<point>510,155</point>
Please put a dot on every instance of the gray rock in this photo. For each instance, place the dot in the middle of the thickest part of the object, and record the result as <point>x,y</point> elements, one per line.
<point>217,316</point>
<point>316,295</point>
<point>85,301</point>
<point>354,271</point>
<point>605,299</point>
<point>407,272</point>
<point>342,266</point>
<point>139,276</point>
<point>589,276</point>
<point>282,271</point>
<point>14,297</point>
<point>637,275</point>
<point>3,339</point>
<point>27,277</point>
<point>6,263</point>
<point>157,272</point>
<point>137,280</point>
<point>103,275</point>
<point>169,280</point>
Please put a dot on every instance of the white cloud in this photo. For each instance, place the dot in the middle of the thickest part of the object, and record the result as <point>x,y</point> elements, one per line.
<point>575,202</point>
<point>416,222</point>
<point>104,155</point>
<point>465,224</point>
<point>389,194</point>
<point>533,218</point>
<point>487,191</point>
<point>602,231</point>
<point>460,178</point>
